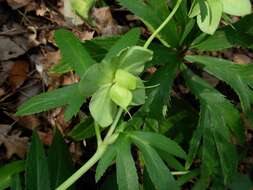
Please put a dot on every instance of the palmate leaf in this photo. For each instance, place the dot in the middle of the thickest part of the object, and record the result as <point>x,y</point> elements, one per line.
<point>37,175</point>
<point>68,95</point>
<point>239,77</point>
<point>217,118</point>
<point>127,177</point>
<point>158,97</point>
<point>153,13</point>
<point>127,40</point>
<point>157,170</point>
<point>16,182</point>
<point>159,142</point>
<point>9,170</point>
<point>106,160</point>
<point>73,52</point>
<point>83,130</point>
<point>59,161</point>
<point>147,143</point>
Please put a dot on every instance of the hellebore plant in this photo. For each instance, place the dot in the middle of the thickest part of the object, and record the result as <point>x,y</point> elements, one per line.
<point>111,72</point>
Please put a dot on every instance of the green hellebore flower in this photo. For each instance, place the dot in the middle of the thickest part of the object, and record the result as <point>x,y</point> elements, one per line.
<point>121,96</point>
<point>82,7</point>
<point>125,79</point>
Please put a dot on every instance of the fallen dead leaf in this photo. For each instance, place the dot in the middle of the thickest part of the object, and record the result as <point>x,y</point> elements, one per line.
<point>18,73</point>
<point>241,59</point>
<point>9,49</point>
<point>29,122</point>
<point>5,70</point>
<point>13,143</point>
<point>15,4</point>
<point>105,23</point>
<point>46,137</point>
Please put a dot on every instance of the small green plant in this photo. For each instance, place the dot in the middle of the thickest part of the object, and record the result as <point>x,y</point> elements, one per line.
<point>112,72</point>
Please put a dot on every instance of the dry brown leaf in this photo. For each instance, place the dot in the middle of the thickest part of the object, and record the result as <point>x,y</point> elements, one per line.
<point>30,121</point>
<point>105,23</point>
<point>9,49</point>
<point>5,70</point>
<point>46,138</point>
<point>13,143</point>
<point>15,4</point>
<point>18,73</point>
<point>241,59</point>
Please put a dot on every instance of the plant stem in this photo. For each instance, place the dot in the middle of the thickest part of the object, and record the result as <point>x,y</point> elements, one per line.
<point>114,124</point>
<point>152,37</point>
<point>180,172</point>
<point>97,131</point>
<point>102,146</point>
<point>93,160</point>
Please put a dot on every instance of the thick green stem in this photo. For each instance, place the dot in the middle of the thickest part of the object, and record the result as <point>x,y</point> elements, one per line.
<point>152,37</point>
<point>91,162</point>
<point>114,124</point>
<point>102,146</point>
<point>98,135</point>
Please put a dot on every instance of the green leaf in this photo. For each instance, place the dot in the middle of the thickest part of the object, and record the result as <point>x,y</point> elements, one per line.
<point>74,104</point>
<point>157,170</point>
<point>102,108</point>
<point>153,13</point>
<point>59,161</point>
<point>239,77</point>
<point>121,96</point>
<point>105,161</point>
<point>159,142</point>
<point>217,117</point>
<point>49,100</point>
<point>212,16</point>
<point>16,182</point>
<point>237,8</point>
<point>228,37</point>
<point>181,15</point>
<point>205,92</point>
<point>195,141</point>
<point>8,170</point>
<point>170,160</point>
<point>188,177</point>
<point>83,130</point>
<point>127,40</point>
<point>241,181</point>
<point>37,176</point>
<point>73,52</point>
<point>132,59</point>
<point>159,96</point>
<point>147,183</point>
<point>60,68</point>
<point>127,177</point>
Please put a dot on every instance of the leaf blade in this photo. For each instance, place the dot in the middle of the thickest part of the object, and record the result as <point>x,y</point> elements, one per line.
<point>37,176</point>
